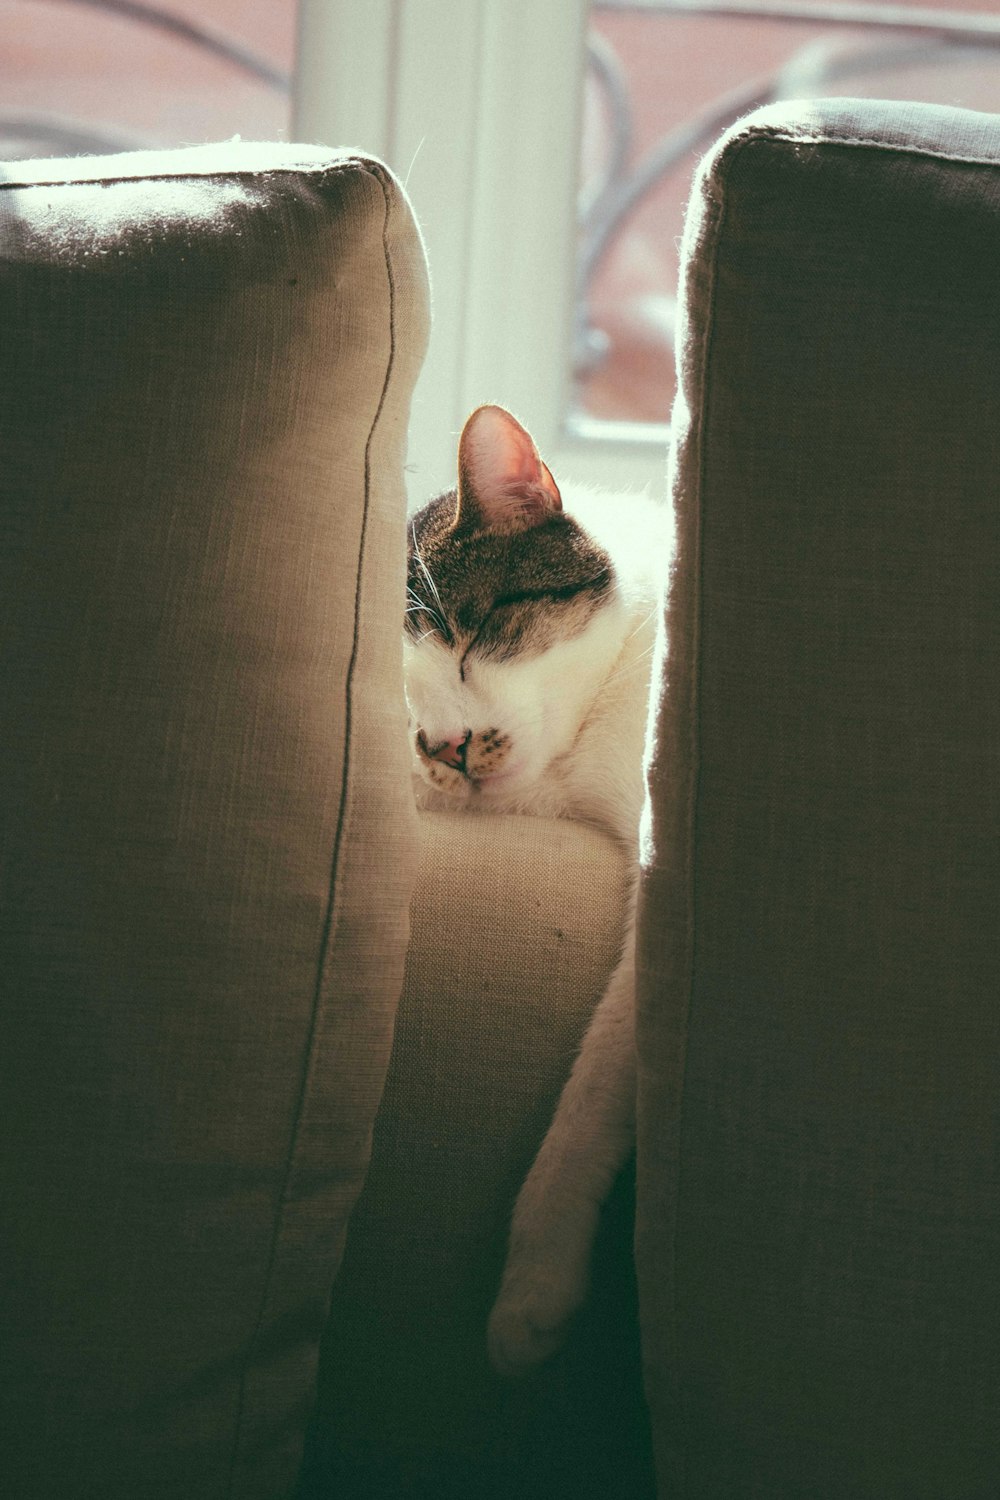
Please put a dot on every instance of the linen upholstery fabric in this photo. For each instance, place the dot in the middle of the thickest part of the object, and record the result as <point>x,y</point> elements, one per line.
<point>516,925</point>
<point>818,1172</point>
<point>208,841</point>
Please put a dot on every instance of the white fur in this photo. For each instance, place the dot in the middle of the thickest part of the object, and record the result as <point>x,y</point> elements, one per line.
<point>576,717</point>
<point>575,714</point>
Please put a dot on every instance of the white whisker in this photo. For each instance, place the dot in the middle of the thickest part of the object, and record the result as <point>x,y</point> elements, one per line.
<point>424,568</point>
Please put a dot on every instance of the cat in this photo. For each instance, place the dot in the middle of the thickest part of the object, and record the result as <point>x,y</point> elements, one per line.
<point>527,649</point>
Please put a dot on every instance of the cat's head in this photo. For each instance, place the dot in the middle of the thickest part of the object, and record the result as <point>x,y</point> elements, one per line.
<point>512,618</point>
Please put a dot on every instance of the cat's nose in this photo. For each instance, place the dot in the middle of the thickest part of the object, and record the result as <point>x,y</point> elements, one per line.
<point>450,752</point>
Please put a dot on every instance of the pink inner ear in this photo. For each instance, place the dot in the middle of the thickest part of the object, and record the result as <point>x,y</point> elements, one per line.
<point>500,475</point>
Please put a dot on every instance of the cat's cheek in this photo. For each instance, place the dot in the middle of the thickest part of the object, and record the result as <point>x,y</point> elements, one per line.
<point>505,781</point>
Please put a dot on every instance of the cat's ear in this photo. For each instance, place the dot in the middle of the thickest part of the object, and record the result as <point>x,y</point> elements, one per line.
<point>502,482</point>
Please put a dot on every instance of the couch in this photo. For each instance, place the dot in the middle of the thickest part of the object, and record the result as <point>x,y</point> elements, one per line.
<point>818,1235</point>
<point>207,364</point>
<point>269,1087</point>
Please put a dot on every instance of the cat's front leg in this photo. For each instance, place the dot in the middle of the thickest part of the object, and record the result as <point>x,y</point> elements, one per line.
<point>555,1218</point>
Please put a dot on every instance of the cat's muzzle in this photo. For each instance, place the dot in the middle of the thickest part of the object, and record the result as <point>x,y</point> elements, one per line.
<point>475,756</point>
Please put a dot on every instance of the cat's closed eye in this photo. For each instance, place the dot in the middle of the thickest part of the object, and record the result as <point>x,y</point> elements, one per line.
<point>555,595</point>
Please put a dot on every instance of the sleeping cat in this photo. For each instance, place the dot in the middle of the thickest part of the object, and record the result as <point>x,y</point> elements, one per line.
<point>529,633</point>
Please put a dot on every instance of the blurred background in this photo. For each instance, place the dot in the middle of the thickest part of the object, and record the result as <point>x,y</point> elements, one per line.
<point>651,86</point>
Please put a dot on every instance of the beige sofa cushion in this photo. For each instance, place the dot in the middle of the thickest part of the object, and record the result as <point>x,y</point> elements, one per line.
<point>517,923</point>
<point>208,841</point>
<point>819,1181</point>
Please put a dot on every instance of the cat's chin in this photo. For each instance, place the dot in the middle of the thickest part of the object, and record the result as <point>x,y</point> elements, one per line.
<point>455,787</point>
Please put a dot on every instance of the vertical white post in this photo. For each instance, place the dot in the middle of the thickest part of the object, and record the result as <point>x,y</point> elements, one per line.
<point>474,104</point>
<point>344,73</point>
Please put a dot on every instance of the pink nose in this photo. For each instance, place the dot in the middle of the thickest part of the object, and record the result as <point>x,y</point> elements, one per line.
<point>450,752</point>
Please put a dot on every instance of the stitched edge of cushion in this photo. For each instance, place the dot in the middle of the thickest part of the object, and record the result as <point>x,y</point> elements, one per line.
<point>329,162</point>
<point>241,1436</point>
<point>699,384</point>
<point>901,148</point>
<point>762,125</point>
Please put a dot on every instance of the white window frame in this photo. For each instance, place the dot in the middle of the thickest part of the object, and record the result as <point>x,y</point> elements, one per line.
<point>475,105</point>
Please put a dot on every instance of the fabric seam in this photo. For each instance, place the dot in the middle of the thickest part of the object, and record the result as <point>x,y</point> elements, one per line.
<point>694,743</point>
<point>796,138</point>
<point>330,917</point>
<point>291,169</point>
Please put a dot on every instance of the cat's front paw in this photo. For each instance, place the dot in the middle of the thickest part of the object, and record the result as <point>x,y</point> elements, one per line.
<point>531,1316</point>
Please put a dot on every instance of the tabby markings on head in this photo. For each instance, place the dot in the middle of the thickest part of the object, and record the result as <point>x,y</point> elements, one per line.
<point>498,574</point>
